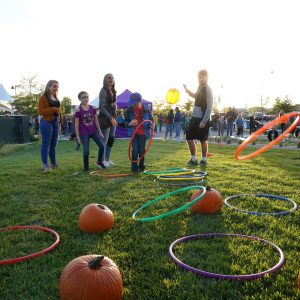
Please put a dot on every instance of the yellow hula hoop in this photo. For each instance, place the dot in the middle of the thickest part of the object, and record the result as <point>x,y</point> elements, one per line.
<point>177,174</point>
<point>179,178</point>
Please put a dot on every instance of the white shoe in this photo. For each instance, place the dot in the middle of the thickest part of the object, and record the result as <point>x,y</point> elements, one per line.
<point>110,163</point>
<point>46,168</point>
<point>106,164</point>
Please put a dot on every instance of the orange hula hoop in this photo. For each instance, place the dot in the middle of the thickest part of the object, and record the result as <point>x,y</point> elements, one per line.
<point>250,138</point>
<point>149,143</point>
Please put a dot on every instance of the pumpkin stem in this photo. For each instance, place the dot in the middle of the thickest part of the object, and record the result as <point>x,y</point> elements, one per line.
<point>101,206</point>
<point>208,188</point>
<point>96,262</point>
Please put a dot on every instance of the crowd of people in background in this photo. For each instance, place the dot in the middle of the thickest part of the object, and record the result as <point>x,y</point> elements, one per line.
<point>227,123</point>
<point>173,125</point>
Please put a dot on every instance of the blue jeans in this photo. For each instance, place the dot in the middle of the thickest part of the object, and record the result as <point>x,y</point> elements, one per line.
<point>109,135</point>
<point>160,125</point>
<point>138,149</point>
<point>177,129</point>
<point>229,128</point>
<point>169,128</point>
<point>49,131</point>
<point>85,139</point>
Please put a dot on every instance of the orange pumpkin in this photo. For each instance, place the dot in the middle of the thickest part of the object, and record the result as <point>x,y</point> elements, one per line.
<point>91,277</point>
<point>209,204</point>
<point>96,218</point>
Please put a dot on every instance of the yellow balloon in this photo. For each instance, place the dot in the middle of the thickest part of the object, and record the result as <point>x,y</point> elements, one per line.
<point>172,96</point>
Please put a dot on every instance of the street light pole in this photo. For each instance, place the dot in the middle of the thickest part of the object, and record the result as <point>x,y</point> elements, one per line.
<point>261,98</point>
<point>14,87</point>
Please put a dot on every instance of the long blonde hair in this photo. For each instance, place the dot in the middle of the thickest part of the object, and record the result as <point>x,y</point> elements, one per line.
<point>47,88</point>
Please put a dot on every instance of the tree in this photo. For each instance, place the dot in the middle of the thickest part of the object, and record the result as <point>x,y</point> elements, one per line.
<point>285,104</point>
<point>66,105</point>
<point>29,85</point>
<point>297,107</point>
<point>27,105</point>
<point>166,109</point>
<point>188,105</point>
<point>29,92</point>
<point>254,109</point>
<point>158,106</point>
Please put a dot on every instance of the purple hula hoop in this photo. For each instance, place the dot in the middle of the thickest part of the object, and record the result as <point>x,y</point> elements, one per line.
<point>224,276</point>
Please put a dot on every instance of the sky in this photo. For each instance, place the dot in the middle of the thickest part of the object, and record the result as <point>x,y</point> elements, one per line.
<point>250,48</point>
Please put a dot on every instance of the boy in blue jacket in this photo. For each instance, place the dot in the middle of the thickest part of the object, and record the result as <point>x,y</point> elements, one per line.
<point>134,115</point>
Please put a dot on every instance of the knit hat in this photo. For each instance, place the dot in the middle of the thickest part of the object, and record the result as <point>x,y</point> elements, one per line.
<point>135,98</point>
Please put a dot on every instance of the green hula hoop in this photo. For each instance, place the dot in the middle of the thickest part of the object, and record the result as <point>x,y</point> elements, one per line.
<point>172,212</point>
<point>166,171</point>
<point>177,184</point>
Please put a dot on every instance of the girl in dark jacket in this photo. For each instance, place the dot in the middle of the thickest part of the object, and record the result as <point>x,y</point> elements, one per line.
<point>107,116</point>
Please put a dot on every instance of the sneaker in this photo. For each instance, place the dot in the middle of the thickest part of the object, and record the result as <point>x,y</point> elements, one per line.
<point>110,163</point>
<point>142,169</point>
<point>100,165</point>
<point>54,166</point>
<point>46,168</point>
<point>203,163</point>
<point>106,164</point>
<point>192,163</point>
<point>135,170</point>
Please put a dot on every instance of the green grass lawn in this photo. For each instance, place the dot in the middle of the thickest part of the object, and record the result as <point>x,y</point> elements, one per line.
<point>55,199</point>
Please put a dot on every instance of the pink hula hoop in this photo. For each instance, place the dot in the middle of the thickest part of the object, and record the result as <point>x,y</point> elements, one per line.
<point>29,256</point>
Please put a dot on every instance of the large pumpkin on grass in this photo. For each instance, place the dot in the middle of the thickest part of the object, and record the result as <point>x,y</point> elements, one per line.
<point>211,202</point>
<point>96,218</point>
<point>91,277</point>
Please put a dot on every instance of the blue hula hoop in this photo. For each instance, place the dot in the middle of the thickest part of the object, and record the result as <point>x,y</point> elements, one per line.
<point>280,213</point>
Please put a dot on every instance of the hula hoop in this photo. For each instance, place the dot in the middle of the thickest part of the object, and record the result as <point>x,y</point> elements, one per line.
<point>280,213</point>
<point>180,178</point>
<point>178,173</point>
<point>261,130</point>
<point>181,184</point>
<point>149,143</point>
<point>166,171</point>
<point>195,176</point>
<point>172,212</point>
<point>29,256</point>
<point>225,276</point>
<point>98,173</point>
